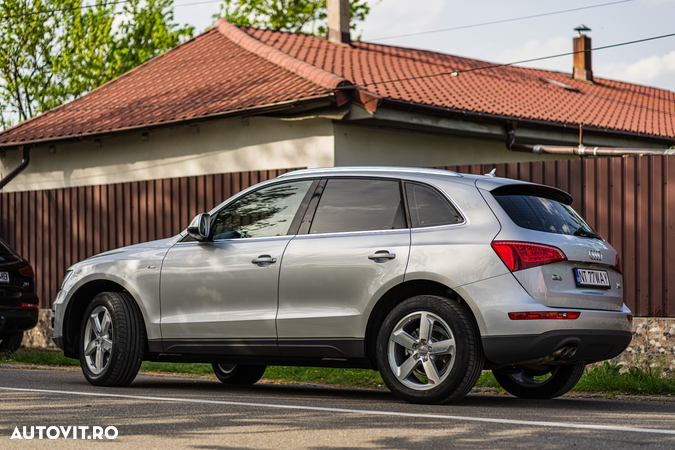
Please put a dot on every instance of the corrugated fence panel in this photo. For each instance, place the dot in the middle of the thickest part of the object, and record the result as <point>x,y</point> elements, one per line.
<point>56,228</point>
<point>628,201</point>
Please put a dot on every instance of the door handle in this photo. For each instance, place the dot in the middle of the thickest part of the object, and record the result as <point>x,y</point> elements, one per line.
<point>382,256</point>
<point>264,260</point>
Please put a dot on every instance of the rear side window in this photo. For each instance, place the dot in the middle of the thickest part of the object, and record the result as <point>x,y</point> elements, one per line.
<point>358,205</point>
<point>542,214</point>
<point>428,208</point>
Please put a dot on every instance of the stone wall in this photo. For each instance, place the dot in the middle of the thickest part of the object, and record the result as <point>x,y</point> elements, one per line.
<point>653,343</point>
<point>41,335</point>
<point>653,340</point>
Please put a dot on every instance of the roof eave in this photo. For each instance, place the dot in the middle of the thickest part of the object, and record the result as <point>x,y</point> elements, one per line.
<point>311,102</point>
<point>503,119</point>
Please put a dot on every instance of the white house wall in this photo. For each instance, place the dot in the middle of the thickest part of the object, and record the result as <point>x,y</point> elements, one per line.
<point>219,146</point>
<point>362,145</point>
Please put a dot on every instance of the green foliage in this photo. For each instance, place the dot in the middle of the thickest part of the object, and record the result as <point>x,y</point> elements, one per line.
<point>49,58</point>
<point>39,357</point>
<point>307,16</point>
<point>610,378</point>
<point>642,379</point>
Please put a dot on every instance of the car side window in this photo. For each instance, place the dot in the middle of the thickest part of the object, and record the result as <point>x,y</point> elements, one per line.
<point>428,208</point>
<point>358,205</point>
<point>262,213</point>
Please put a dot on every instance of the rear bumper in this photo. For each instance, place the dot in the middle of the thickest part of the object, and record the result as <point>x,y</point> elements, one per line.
<point>591,346</point>
<point>18,319</point>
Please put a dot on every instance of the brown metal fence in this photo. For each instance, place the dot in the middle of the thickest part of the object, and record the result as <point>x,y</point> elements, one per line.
<point>628,201</point>
<point>56,228</point>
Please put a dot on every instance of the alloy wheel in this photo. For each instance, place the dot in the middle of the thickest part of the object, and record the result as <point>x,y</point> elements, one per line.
<point>98,340</point>
<point>421,350</point>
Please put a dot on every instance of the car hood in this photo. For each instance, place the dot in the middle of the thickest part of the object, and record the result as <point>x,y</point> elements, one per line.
<point>158,247</point>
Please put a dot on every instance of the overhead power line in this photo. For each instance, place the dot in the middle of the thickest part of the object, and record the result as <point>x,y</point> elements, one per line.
<point>66,108</point>
<point>482,24</point>
<point>494,66</point>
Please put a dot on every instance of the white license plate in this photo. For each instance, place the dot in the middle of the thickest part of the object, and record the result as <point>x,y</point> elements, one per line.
<point>4,277</point>
<point>593,278</point>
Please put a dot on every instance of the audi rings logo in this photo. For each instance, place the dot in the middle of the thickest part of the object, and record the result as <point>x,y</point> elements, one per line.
<point>596,255</point>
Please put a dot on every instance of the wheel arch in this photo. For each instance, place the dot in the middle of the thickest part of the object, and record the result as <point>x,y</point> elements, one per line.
<point>77,305</point>
<point>398,294</point>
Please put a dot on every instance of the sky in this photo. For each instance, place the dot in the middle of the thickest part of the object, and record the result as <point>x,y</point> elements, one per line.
<point>648,63</point>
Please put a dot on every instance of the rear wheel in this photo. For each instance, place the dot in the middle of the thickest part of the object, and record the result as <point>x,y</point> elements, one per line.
<point>10,341</point>
<point>112,340</point>
<point>428,350</point>
<point>541,384</point>
<point>238,373</point>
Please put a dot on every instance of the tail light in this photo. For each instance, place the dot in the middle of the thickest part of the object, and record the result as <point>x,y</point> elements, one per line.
<point>523,255</point>
<point>27,271</point>
<point>617,264</point>
<point>29,305</point>
<point>539,315</point>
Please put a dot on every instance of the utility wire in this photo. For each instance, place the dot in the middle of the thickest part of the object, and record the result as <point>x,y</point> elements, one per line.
<point>493,66</point>
<point>50,11</point>
<point>65,107</point>
<point>500,21</point>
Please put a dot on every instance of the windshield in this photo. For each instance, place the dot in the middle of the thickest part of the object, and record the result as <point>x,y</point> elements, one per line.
<point>543,214</point>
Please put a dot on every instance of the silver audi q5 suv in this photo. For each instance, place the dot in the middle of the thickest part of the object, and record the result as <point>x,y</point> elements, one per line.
<point>427,276</point>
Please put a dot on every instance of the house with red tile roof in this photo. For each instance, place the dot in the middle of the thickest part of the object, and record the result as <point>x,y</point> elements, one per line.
<point>238,99</point>
<point>136,158</point>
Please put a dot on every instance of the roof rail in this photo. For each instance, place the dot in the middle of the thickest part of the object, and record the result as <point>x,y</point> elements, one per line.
<point>345,169</point>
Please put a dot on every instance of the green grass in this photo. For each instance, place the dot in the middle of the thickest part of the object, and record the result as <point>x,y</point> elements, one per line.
<point>607,378</point>
<point>642,379</point>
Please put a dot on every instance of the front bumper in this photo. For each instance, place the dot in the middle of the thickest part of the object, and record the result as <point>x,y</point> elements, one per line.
<point>590,346</point>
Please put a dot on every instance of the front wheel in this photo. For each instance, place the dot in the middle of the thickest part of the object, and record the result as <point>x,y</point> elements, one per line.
<point>428,350</point>
<point>10,341</point>
<point>533,384</point>
<point>238,373</point>
<point>112,340</point>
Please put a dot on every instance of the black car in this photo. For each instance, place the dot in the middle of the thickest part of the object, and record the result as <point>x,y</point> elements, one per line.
<point>18,300</point>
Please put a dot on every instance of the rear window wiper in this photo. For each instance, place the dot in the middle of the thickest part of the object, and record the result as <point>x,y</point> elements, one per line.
<point>585,233</point>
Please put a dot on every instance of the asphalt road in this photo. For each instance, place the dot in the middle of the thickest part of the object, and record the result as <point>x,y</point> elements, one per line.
<point>167,412</point>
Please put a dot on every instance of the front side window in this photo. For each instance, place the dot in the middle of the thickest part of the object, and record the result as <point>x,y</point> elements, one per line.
<point>265,212</point>
<point>428,208</point>
<point>358,205</point>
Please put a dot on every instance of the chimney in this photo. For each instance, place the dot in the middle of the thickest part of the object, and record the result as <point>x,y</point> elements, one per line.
<point>582,55</point>
<point>338,21</point>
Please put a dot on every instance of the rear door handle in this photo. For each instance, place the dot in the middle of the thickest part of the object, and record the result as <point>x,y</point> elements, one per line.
<point>264,260</point>
<point>382,256</point>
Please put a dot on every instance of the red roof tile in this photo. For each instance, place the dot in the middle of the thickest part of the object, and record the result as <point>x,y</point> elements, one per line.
<point>228,69</point>
<point>425,78</point>
<point>207,75</point>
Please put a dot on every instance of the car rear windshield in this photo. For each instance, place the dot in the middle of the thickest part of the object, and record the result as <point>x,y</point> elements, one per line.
<point>542,214</point>
<point>5,249</point>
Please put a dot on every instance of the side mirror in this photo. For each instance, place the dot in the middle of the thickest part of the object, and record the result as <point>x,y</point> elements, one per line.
<point>200,227</point>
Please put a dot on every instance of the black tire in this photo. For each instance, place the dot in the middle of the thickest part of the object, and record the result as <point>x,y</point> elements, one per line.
<point>456,366</point>
<point>525,384</point>
<point>119,344</point>
<point>238,373</point>
<point>10,341</point>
